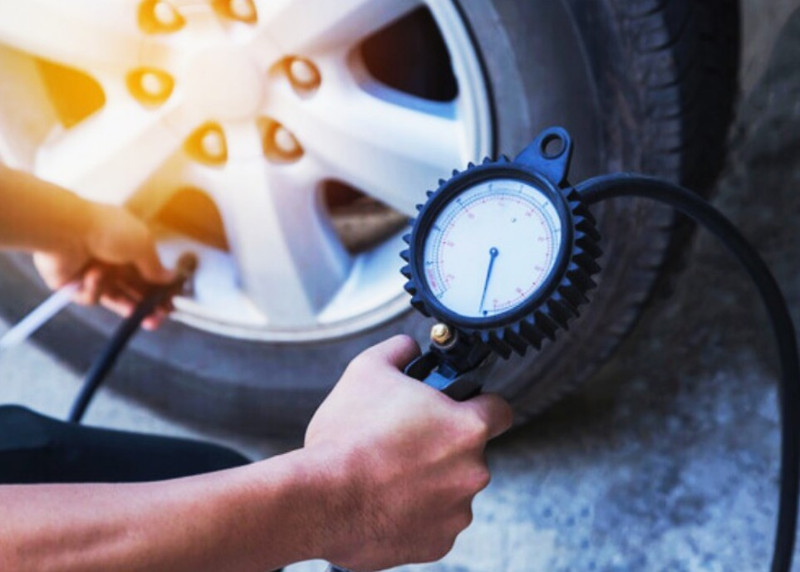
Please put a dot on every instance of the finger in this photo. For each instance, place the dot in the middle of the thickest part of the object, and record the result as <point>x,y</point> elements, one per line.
<point>138,289</point>
<point>121,307</point>
<point>154,320</point>
<point>130,285</point>
<point>55,270</point>
<point>149,266</point>
<point>396,352</point>
<point>84,295</point>
<point>494,411</point>
<point>135,290</point>
<point>92,285</point>
<point>118,302</point>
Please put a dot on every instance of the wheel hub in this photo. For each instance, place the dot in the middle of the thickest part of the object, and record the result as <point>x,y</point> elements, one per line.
<point>222,82</point>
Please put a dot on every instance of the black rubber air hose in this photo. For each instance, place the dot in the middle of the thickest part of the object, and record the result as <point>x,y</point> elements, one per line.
<point>100,368</point>
<point>631,185</point>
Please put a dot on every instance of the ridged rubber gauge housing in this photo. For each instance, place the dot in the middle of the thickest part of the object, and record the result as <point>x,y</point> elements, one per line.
<point>504,252</point>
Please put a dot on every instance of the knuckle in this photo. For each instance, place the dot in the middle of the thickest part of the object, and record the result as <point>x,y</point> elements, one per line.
<point>366,357</point>
<point>437,550</point>
<point>445,547</point>
<point>83,298</point>
<point>506,413</point>
<point>405,342</point>
<point>481,478</point>
<point>475,430</point>
<point>496,410</point>
<point>465,518</point>
<point>381,354</point>
<point>401,339</point>
<point>358,364</point>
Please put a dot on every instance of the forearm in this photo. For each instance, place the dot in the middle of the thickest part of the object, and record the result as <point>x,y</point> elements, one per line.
<point>259,517</point>
<point>36,215</point>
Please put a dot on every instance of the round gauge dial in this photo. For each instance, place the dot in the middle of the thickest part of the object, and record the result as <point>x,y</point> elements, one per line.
<point>492,247</point>
<point>504,252</point>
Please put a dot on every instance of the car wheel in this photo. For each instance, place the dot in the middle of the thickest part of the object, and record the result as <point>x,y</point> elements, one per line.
<point>286,143</point>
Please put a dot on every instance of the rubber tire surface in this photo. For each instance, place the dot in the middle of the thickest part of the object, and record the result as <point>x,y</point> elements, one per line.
<point>645,85</point>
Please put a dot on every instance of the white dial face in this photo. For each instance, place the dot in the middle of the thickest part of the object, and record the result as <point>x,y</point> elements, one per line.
<point>492,247</point>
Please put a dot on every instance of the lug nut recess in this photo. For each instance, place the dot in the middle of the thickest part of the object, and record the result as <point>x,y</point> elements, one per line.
<point>279,144</point>
<point>159,17</point>
<point>303,74</point>
<point>241,10</point>
<point>150,86</point>
<point>207,145</point>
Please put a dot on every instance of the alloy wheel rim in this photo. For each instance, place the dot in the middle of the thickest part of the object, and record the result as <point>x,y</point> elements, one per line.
<point>255,107</point>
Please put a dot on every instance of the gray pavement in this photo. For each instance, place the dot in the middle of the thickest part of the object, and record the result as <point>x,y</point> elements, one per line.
<point>668,459</point>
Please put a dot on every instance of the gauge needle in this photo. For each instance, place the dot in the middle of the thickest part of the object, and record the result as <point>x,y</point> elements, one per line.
<point>493,252</point>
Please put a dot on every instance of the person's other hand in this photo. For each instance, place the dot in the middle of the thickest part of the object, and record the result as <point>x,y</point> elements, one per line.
<point>410,460</point>
<point>116,259</point>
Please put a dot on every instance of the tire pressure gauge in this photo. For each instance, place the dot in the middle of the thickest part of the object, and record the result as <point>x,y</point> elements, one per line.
<point>503,253</point>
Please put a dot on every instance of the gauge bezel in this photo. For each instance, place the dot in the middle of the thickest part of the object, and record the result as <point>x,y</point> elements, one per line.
<point>448,193</point>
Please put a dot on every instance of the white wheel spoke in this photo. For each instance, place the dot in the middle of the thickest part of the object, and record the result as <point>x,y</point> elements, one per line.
<point>87,34</point>
<point>311,26</point>
<point>290,261</point>
<point>190,89</point>
<point>177,173</point>
<point>388,144</point>
<point>107,156</point>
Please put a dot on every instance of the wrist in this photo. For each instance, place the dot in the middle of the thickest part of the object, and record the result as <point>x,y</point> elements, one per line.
<point>337,509</point>
<point>71,219</point>
<point>94,216</point>
<point>71,225</point>
<point>326,501</point>
<point>294,507</point>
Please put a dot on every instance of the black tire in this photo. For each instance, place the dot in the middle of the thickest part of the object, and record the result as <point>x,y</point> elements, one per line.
<point>665,72</point>
<point>645,85</point>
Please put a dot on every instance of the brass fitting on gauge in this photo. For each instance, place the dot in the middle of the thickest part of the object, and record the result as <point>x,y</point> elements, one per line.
<point>443,336</point>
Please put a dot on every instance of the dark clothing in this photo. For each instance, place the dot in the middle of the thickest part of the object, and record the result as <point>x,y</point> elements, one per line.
<point>37,449</point>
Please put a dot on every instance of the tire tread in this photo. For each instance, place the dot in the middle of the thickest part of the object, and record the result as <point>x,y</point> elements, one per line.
<point>684,55</point>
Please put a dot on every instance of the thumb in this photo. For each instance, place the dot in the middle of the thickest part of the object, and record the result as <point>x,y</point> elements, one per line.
<point>494,411</point>
<point>396,352</point>
<point>57,271</point>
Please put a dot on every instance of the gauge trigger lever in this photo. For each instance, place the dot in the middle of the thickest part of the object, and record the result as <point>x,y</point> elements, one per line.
<point>456,372</point>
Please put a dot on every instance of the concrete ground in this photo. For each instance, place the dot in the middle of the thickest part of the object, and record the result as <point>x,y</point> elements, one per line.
<point>668,460</point>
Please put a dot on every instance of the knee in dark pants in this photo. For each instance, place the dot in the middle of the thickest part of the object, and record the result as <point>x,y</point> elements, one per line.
<point>25,445</point>
<point>38,449</point>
